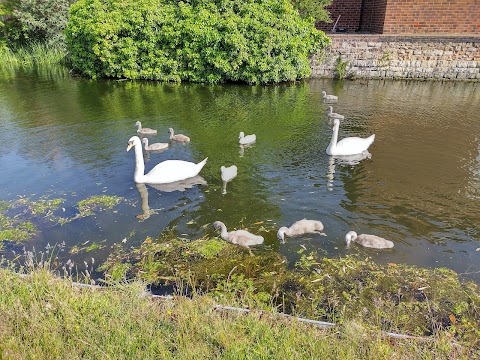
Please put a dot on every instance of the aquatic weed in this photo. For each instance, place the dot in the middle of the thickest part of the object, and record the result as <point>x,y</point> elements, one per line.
<point>87,207</point>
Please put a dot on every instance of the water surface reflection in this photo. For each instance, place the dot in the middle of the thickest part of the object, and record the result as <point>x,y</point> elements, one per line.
<point>418,186</point>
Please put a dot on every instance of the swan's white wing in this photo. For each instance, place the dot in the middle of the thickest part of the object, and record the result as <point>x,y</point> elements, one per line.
<point>172,170</point>
<point>354,145</point>
<point>374,241</point>
<point>305,226</point>
<point>245,238</point>
<point>248,139</point>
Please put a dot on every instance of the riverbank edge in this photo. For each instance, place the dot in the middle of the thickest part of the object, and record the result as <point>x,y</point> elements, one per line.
<point>373,56</point>
<point>44,316</point>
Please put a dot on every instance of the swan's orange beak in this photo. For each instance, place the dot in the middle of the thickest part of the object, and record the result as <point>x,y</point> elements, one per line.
<point>129,146</point>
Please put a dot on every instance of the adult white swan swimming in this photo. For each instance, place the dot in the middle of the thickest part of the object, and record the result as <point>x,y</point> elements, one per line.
<point>349,145</point>
<point>166,172</point>
<point>244,140</point>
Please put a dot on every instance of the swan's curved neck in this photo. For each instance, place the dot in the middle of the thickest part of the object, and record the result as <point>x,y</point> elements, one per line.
<point>333,141</point>
<point>146,143</point>
<point>286,231</point>
<point>139,164</point>
<point>224,233</point>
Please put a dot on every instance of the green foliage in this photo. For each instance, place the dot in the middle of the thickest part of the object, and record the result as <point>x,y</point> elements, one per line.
<point>13,214</point>
<point>314,8</point>
<point>44,317</point>
<point>341,68</point>
<point>14,230</point>
<point>335,290</point>
<point>33,21</point>
<point>88,206</point>
<point>211,41</point>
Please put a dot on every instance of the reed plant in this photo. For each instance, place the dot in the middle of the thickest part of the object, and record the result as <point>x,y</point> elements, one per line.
<point>35,54</point>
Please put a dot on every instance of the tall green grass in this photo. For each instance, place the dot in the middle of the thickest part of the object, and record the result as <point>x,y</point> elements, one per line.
<point>36,54</point>
<point>44,317</point>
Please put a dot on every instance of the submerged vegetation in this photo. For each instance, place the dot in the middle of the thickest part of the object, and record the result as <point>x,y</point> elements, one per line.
<point>18,217</point>
<point>100,202</point>
<point>14,230</point>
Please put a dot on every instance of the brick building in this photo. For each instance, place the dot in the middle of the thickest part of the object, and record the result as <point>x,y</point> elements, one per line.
<point>405,16</point>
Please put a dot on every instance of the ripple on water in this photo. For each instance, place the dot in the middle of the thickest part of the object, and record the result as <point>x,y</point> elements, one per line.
<point>420,187</point>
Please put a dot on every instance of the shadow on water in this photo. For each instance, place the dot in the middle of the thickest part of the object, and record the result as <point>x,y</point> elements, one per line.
<point>419,188</point>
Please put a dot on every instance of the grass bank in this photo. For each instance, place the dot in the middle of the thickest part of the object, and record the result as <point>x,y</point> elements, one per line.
<point>44,317</point>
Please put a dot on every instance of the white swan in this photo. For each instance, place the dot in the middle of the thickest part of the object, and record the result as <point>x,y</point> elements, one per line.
<point>144,131</point>
<point>239,237</point>
<point>333,115</point>
<point>227,174</point>
<point>154,146</point>
<point>178,137</point>
<point>329,97</point>
<point>166,172</point>
<point>349,145</point>
<point>244,140</point>
<point>371,241</point>
<point>300,227</point>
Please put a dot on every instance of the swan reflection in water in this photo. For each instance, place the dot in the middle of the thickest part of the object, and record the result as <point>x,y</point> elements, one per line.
<point>243,147</point>
<point>350,160</point>
<point>147,153</point>
<point>170,187</point>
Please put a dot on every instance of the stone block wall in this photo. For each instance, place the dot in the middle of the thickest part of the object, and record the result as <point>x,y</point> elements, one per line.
<point>397,57</point>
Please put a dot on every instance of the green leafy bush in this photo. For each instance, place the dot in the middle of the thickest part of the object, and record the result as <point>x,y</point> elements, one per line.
<point>35,21</point>
<point>252,41</point>
<point>314,8</point>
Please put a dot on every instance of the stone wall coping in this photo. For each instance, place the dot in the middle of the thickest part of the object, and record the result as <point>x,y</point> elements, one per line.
<point>460,38</point>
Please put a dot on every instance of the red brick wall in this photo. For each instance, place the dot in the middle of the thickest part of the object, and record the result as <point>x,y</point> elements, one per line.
<point>406,16</point>
<point>350,15</point>
<point>373,15</point>
<point>428,16</point>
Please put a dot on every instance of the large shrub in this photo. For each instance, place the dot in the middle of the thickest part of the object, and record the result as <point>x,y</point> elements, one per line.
<point>35,21</point>
<point>253,41</point>
<point>314,8</point>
